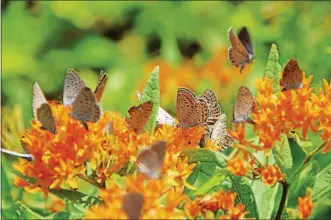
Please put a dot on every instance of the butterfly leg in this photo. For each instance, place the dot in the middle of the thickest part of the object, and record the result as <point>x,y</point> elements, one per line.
<point>85,125</point>
<point>241,69</point>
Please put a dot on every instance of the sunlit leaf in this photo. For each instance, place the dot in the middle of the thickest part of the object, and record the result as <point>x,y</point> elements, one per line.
<point>151,92</point>
<point>273,67</point>
<point>283,156</point>
<point>322,184</point>
<point>212,182</point>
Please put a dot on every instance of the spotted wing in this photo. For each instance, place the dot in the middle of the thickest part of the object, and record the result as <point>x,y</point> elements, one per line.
<point>220,134</point>
<point>190,111</point>
<point>72,86</point>
<point>244,105</point>
<point>45,116</point>
<point>139,116</point>
<point>213,107</point>
<point>85,107</point>
<point>292,75</point>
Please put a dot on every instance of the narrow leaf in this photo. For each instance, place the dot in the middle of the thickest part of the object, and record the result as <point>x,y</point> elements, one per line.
<point>151,92</point>
<point>283,156</point>
<point>273,67</point>
<point>215,180</point>
<point>203,155</point>
<point>322,184</point>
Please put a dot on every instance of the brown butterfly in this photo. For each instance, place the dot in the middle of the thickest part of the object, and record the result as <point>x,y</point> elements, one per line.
<point>244,105</point>
<point>132,205</point>
<point>85,108</point>
<point>292,76</point>
<point>150,159</point>
<point>213,107</point>
<point>220,134</point>
<point>240,51</point>
<point>41,109</point>
<point>139,116</point>
<point>72,86</point>
<point>101,86</point>
<point>190,110</point>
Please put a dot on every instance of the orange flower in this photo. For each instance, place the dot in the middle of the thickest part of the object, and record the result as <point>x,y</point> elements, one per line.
<point>238,166</point>
<point>237,212</point>
<point>305,205</point>
<point>271,175</point>
<point>57,205</point>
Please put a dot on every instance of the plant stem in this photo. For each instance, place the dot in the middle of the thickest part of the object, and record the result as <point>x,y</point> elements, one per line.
<point>91,181</point>
<point>280,210</point>
<point>313,153</point>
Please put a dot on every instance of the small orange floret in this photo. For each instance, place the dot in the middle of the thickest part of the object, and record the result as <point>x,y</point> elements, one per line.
<point>305,205</point>
<point>270,175</point>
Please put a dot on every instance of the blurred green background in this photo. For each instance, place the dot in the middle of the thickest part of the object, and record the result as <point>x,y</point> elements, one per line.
<point>188,40</point>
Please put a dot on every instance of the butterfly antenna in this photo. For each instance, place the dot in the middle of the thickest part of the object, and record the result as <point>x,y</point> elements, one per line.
<point>13,153</point>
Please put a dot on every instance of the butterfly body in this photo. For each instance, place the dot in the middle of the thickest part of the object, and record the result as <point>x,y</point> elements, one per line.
<point>190,110</point>
<point>150,159</point>
<point>132,204</point>
<point>41,109</point>
<point>139,116</point>
<point>85,108</point>
<point>244,105</point>
<point>292,76</point>
<point>240,51</point>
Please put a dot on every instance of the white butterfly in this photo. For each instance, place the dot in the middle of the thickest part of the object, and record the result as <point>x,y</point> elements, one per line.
<point>220,134</point>
<point>163,117</point>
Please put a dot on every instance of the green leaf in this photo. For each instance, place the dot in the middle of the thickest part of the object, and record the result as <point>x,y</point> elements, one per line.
<point>76,197</point>
<point>322,184</point>
<point>203,155</point>
<point>273,67</point>
<point>305,145</point>
<point>151,92</point>
<point>245,195</point>
<point>265,197</point>
<point>26,212</point>
<point>215,180</point>
<point>306,178</point>
<point>283,156</point>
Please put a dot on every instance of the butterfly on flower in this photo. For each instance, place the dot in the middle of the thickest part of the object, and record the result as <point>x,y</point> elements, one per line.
<point>292,76</point>
<point>244,105</point>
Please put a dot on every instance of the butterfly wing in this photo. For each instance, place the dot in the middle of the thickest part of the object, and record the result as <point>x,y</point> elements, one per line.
<point>85,107</point>
<point>101,86</point>
<point>109,128</point>
<point>163,117</point>
<point>213,107</point>
<point>45,116</point>
<point>220,134</point>
<point>237,52</point>
<point>245,39</point>
<point>292,75</point>
<point>149,160</point>
<point>139,116</point>
<point>244,105</point>
<point>38,98</point>
<point>190,111</point>
<point>72,86</point>
<point>132,205</point>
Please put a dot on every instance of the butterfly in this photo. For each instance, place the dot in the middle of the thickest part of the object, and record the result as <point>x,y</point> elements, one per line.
<point>220,134</point>
<point>213,107</point>
<point>163,117</point>
<point>85,108</point>
<point>101,86</point>
<point>41,109</point>
<point>132,205</point>
<point>190,110</point>
<point>292,76</point>
<point>73,83</point>
<point>244,105</point>
<point>72,86</point>
<point>150,159</point>
<point>139,116</point>
<point>109,128</point>
<point>240,51</point>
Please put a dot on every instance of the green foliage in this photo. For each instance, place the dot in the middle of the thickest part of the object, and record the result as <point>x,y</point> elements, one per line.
<point>151,93</point>
<point>322,184</point>
<point>273,67</point>
<point>283,156</point>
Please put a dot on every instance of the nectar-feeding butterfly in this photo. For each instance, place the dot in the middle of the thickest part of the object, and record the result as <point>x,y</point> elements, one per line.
<point>190,110</point>
<point>41,109</point>
<point>292,76</point>
<point>240,51</point>
<point>163,117</point>
<point>243,106</point>
<point>132,204</point>
<point>139,116</point>
<point>150,159</point>
<point>85,108</point>
<point>72,86</point>
<point>213,107</point>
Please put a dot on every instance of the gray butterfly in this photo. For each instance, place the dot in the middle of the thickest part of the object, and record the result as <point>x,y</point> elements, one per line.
<point>72,86</point>
<point>132,205</point>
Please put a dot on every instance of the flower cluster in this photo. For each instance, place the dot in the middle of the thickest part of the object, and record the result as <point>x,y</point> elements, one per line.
<point>210,206</point>
<point>304,208</point>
